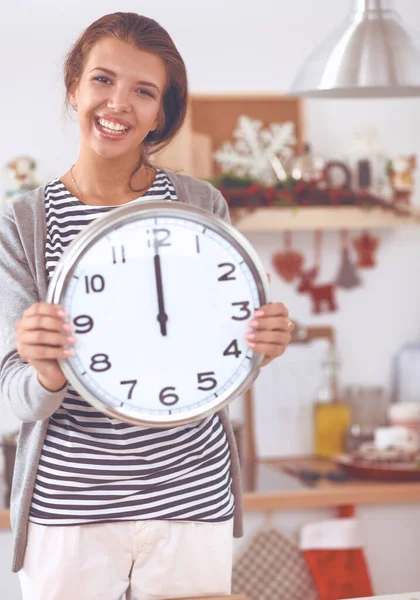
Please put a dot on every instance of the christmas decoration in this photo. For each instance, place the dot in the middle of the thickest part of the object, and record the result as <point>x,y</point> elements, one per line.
<point>244,194</point>
<point>322,296</point>
<point>254,149</point>
<point>288,264</point>
<point>308,167</point>
<point>365,245</point>
<point>21,176</point>
<point>347,276</point>
<point>335,555</point>
<point>401,174</point>
<point>368,161</point>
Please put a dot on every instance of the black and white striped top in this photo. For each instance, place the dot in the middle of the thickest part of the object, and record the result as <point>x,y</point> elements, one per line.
<point>97,469</point>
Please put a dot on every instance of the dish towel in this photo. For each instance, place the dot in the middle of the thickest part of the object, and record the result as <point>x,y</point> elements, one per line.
<point>271,567</point>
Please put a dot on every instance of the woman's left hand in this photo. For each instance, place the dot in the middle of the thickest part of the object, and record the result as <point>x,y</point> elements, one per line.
<point>270,332</point>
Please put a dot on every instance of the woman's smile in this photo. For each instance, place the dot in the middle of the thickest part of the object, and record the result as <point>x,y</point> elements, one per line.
<point>111,128</point>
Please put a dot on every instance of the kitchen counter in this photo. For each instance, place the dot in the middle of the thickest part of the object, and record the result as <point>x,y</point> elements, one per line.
<point>268,487</point>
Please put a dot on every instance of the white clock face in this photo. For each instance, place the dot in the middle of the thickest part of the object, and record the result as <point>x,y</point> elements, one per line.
<point>160,308</point>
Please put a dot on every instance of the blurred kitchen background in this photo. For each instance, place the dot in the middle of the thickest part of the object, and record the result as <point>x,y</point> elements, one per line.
<point>363,357</point>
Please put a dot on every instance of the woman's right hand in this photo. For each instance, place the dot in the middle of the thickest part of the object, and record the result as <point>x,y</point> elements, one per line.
<point>41,336</point>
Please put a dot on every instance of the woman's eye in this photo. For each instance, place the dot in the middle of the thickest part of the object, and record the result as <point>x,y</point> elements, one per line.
<point>102,79</point>
<point>142,91</point>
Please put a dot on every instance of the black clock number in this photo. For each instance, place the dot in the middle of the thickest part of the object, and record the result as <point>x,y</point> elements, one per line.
<point>132,383</point>
<point>159,237</point>
<point>206,378</point>
<point>244,308</point>
<point>168,397</point>
<point>227,276</point>
<point>83,324</point>
<point>100,363</point>
<point>96,283</point>
<point>116,256</point>
<point>233,349</point>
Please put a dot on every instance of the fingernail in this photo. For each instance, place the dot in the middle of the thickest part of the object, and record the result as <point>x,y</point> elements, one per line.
<point>251,345</point>
<point>68,327</point>
<point>62,313</point>
<point>290,325</point>
<point>250,336</point>
<point>259,313</point>
<point>253,323</point>
<point>69,352</point>
<point>71,339</point>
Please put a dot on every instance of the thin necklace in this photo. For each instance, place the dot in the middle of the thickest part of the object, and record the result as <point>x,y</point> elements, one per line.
<point>79,195</point>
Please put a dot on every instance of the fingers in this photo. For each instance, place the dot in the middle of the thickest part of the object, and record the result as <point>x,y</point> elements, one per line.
<point>43,333</point>
<point>42,322</point>
<point>45,338</point>
<point>35,353</point>
<point>45,308</point>
<point>272,343</point>
<point>280,323</point>
<point>271,331</point>
<point>274,309</point>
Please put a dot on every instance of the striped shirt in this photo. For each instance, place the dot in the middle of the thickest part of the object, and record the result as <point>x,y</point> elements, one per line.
<point>96,469</point>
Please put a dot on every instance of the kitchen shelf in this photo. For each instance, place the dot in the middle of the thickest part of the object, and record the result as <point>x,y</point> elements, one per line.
<point>321,217</point>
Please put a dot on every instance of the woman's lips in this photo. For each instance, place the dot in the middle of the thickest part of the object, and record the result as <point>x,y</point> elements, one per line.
<point>114,137</point>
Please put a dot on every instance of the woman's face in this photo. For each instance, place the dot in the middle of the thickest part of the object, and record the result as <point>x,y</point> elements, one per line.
<point>118,98</point>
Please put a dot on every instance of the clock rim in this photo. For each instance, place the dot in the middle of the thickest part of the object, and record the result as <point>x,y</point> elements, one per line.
<point>124,215</point>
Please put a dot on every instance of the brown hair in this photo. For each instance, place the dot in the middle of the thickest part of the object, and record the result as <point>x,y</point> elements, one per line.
<point>145,34</point>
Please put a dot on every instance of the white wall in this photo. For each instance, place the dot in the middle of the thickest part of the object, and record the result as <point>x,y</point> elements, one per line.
<point>234,45</point>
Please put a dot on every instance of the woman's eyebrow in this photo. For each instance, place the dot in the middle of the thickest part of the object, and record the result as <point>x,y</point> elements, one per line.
<point>113,74</point>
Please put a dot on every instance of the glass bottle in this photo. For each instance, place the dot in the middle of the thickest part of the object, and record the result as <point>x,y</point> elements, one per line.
<point>331,416</point>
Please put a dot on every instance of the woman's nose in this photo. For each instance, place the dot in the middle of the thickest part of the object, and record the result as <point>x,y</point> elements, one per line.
<point>119,101</point>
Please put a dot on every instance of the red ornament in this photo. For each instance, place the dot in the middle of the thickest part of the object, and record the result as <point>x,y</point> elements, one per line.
<point>322,296</point>
<point>366,245</point>
<point>288,263</point>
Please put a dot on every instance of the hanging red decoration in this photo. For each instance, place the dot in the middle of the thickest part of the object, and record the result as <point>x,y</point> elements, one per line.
<point>366,245</point>
<point>288,263</point>
<point>322,296</point>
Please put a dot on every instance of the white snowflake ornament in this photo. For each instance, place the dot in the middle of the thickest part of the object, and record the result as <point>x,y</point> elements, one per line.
<point>257,152</point>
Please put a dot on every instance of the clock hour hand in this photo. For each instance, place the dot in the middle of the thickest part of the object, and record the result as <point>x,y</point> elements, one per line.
<point>162,316</point>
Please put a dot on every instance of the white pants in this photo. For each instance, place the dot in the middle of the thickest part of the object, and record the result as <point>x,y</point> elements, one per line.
<point>146,560</point>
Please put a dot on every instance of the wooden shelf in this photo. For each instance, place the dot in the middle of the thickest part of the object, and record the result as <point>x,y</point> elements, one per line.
<point>320,217</point>
<point>323,494</point>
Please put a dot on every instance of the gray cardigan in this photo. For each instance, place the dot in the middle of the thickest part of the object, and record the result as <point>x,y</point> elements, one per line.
<point>23,281</point>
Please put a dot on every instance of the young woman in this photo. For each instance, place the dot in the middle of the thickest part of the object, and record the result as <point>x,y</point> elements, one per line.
<point>101,508</point>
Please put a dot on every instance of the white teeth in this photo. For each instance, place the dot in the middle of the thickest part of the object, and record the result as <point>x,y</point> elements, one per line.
<point>112,127</point>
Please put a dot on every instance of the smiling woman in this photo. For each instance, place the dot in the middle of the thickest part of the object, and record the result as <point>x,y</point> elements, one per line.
<point>128,83</point>
<point>100,507</point>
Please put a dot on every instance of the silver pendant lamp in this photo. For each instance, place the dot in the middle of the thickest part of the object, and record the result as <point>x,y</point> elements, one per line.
<point>372,55</point>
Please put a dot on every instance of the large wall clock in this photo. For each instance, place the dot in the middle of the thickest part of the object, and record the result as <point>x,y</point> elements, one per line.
<point>160,294</point>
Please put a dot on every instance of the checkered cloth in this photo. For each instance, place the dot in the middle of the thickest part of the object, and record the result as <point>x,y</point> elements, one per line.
<point>272,567</point>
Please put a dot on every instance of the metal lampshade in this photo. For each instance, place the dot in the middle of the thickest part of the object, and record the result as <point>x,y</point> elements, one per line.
<point>372,55</point>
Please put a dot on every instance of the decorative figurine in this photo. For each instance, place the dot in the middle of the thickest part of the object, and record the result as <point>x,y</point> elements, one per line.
<point>22,176</point>
<point>322,296</point>
<point>366,245</point>
<point>401,175</point>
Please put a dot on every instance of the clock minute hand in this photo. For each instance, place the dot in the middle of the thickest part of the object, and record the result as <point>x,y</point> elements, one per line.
<point>162,316</point>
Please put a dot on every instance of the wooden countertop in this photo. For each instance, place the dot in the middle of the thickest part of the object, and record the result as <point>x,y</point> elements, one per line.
<point>268,487</point>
